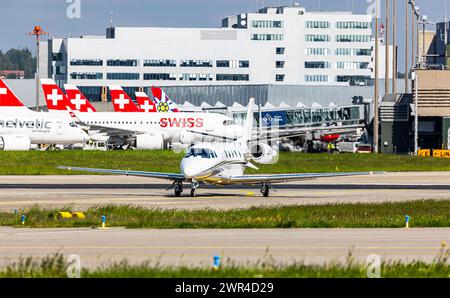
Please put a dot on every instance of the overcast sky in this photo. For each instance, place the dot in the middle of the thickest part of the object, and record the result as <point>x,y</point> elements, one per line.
<point>19,16</point>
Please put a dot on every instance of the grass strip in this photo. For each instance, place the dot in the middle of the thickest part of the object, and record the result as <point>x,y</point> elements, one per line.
<point>55,266</point>
<point>45,163</point>
<point>424,213</point>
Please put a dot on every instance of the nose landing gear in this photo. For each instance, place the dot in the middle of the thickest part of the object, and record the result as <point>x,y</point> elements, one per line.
<point>194,186</point>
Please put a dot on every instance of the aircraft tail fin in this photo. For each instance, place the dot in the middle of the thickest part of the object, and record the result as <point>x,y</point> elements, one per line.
<point>8,98</point>
<point>146,105</point>
<point>163,102</point>
<point>55,98</point>
<point>248,127</point>
<point>121,101</point>
<point>78,101</point>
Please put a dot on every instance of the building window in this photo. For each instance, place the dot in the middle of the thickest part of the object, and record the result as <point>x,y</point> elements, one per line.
<point>244,64</point>
<point>280,51</point>
<point>317,52</point>
<point>317,64</point>
<point>160,63</point>
<point>274,37</point>
<point>353,38</point>
<point>232,77</point>
<point>279,64</point>
<point>160,76</point>
<point>223,63</point>
<point>267,24</point>
<point>316,78</point>
<point>92,93</point>
<point>355,80</point>
<point>353,52</point>
<point>123,76</point>
<point>353,25</point>
<point>117,62</point>
<point>196,63</point>
<point>317,38</point>
<point>318,24</point>
<point>279,77</point>
<point>233,63</point>
<point>196,77</point>
<point>86,76</point>
<point>57,57</point>
<point>352,65</point>
<point>86,62</point>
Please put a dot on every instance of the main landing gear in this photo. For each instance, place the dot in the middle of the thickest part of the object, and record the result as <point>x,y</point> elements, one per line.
<point>265,189</point>
<point>178,186</point>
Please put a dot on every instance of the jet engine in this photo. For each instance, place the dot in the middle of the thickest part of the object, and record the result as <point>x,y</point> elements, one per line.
<point>187,138</point>
<point>15,143</point>
<point>264,153</point>
<point>150,142</point>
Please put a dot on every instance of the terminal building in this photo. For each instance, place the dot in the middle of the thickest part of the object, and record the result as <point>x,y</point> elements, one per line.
<point>275,46</point>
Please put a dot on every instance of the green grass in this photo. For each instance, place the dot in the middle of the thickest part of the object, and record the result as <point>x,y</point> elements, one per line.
<point>55,266</point>
<point>427,213</point>
<point>45,163</point>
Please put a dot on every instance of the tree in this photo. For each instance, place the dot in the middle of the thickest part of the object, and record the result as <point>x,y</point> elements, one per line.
<point>19,59</point>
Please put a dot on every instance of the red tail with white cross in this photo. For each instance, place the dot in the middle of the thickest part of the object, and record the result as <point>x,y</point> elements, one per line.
<point>121,101</point>
<point>55,98</point>
<point>7,97</point>
<point>77,99</point>
<point>145,103</point>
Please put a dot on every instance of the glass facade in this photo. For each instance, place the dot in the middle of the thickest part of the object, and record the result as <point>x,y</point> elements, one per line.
<point>160,76</point>
<point>318,24</point>
<point>353,52</point>
<point>267,24</point>
<point>160,63</point>
<point>196,63</point>
<point>86,62</point>
<point>317,64</point>
<point>123,76</point>
<point>275,37</point>
<point>353,25</point>
<point>118,62</point>
<point>353,38</point>
<point>232,77</point>
<point>317,52</point>
<point>86,76</point>
<point>316,78</point>
<point>233,63</point>
<point>352,65</point>
<point>317,38</point>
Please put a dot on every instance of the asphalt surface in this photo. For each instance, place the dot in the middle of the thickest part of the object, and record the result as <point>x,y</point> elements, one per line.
<point>85,191</point>
<point>98,247</point>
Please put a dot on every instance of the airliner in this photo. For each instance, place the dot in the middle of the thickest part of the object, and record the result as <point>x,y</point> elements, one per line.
<point>21,127</point>
<point>223,164</point>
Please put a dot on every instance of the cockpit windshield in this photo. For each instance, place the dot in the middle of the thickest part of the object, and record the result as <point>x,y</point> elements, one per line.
<point>199,152</point>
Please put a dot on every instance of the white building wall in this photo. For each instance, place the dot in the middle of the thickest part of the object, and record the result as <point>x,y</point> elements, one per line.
<point>234,44</point>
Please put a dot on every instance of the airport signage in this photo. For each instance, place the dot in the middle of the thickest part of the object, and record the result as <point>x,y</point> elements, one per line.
<point>277,118</point>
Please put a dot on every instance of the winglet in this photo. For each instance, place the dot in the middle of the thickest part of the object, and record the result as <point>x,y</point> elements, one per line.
<point>249,121</point>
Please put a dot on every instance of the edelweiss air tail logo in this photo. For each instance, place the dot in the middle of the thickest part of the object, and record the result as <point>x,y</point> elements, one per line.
<point>16,123</point>
<point>163,102</point>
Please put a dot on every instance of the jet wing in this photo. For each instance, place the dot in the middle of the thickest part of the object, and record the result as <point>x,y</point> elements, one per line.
<point>166,176</point>
<point>283,178</point>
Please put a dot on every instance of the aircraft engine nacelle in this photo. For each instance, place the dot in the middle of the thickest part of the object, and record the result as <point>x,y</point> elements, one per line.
<point>150,142</point>
<point>187,138</point>
<point>15,143</point>
<point>263,153</point>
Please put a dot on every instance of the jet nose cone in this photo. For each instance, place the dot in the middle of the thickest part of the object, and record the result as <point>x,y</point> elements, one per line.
<point>188,169</point>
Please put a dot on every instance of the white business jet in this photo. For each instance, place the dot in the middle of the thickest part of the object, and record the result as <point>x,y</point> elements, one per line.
<point>223,164</point>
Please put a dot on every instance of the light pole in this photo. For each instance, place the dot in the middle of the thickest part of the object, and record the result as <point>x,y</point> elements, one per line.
<point>386,44</point>
<point>376,85</point>
<point>416,12</point>
<point>406,46</point>
<point>37,32</point>
<point>394,46</point>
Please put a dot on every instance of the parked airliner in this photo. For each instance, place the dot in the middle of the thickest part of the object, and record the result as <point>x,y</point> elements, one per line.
<point>21,127</point>
<point>223,164</point>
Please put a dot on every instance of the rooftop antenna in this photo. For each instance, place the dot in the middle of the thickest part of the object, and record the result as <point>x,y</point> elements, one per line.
<point>111,20</point>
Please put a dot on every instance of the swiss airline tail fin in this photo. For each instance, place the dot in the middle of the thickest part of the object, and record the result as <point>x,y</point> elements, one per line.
<point>56,99</point>
<point>121,101</point>
<point>8,98</point>
<point>163,102</point>
<point>78,102</point>
<point>146,105</point>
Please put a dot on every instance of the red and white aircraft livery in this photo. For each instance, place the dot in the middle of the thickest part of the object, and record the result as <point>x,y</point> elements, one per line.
<point>145,103</point>
<point>121,101</point>
<point>163,102</point>
<point>20,127</point>
<point>78,101</point>
<point>57,100</point>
